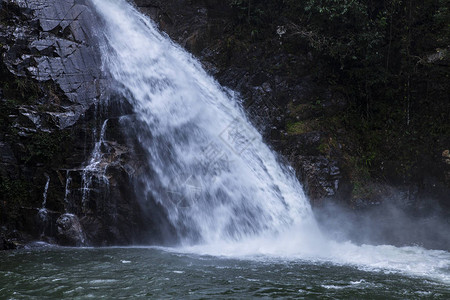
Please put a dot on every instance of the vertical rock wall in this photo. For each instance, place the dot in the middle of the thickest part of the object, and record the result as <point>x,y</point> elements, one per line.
<point>54,100</point>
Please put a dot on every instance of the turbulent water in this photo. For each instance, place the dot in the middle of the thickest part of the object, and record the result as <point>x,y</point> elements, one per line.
<point>223,189</point>
<point>152,273</point>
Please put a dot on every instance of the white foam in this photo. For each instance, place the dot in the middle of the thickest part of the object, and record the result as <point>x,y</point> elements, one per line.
<point>415,261</point>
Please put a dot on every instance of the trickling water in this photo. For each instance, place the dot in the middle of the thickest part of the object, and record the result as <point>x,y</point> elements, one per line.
<point>43,210</point>
<point>67,191</point>
<point>96,166</point>
<point>223,189</point>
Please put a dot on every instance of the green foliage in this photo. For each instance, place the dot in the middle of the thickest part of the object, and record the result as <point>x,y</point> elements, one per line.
<point>442,22</point>
<point>360,176</point>
<point>14,191</point>
<point>255,16</point>
<point>47,147</point>
<point>361,190</point>
<point>6,107</point>
<point>339,12</point>
<point>294,128</point>
<point>13,195</point>
<point>21,90</point>
<point>390,59</point>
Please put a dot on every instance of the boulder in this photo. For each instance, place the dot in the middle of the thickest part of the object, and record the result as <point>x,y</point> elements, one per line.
<point>70,232</point>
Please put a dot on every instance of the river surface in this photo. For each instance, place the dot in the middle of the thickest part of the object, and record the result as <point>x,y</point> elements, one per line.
<point>124,273</point>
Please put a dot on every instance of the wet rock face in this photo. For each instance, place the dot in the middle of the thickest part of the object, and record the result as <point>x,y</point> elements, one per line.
<point>51,75</point>
<point>446,162</point>
<point>54,100</point>
<point>321,175</point>
<point>70,232</point>
<point>53,43</point>
<point>187,21</point>
<point>50,83</point>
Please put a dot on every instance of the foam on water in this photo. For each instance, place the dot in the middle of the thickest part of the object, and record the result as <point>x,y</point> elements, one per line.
<point>416,261</point>
<point>222,187</point>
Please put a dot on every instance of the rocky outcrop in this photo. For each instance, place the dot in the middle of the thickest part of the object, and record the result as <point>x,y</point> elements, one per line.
<point>49,41</point>
<point>446,161</point>
<point>51,82</point>
<point>70,232</point>
<point>59,120</point>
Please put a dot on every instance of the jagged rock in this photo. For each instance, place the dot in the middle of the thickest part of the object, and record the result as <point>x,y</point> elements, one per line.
<point>446,156</point>
<point>6,154</point>
<point>12,239</point>
<point>70,232</point>
<point>321,176</point>
<point>6,244</point>
<point>51,59</point>
<point>60,48</point>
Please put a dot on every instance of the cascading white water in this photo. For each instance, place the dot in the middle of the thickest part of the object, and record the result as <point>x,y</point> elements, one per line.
<point>221,185</point>
<point>67,191</point>
<point>94,167</point>
<point>214,175</point>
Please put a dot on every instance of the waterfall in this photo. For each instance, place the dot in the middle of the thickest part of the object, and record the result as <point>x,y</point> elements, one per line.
<point>67,191</point>
<point>43,210</point>
<point>223,189</point>
<point>95,167</point>
<point>211,170</point>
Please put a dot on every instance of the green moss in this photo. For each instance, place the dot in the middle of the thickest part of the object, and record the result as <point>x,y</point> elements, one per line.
<point>296,128</point>
<point>388,61</point>
<point>22,90</point>
<point>327,145</point>
<point>297,109</point>
<point>48,148</point>
<point>323,148</point>
<point>360,177</point>
<point>361,190</point>
<point>15,191</point>
<point>13,195</point>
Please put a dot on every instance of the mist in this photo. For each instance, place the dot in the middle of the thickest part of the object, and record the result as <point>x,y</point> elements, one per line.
<point>393,221</point>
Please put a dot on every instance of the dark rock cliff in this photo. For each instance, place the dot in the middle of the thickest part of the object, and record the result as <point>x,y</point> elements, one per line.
<point>56,114</point>
<point>60,124</point>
